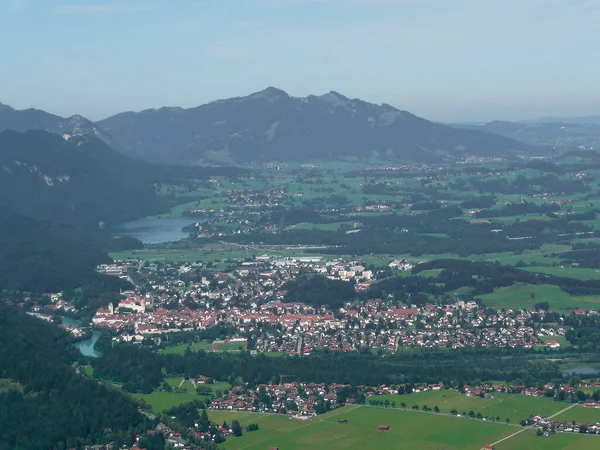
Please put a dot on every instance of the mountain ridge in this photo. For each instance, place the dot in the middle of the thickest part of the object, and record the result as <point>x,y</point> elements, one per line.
<point>22,120</point>
<point>271,125</point>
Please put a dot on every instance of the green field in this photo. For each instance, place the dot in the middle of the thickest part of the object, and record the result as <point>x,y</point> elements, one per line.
<point>180,349</point>
<point>523,295</point>
<point>513,407</point>
<point>408,430</point>
<point>580,414</point>
<point>160,401</point>
<point>579,273</point>
<point>560,441</point>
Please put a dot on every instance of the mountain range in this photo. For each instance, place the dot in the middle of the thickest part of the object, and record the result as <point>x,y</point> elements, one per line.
<point>35,119</point>
<point>272,126</point>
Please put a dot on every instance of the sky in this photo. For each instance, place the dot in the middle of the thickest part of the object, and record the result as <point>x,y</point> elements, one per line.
<point>447,60</point>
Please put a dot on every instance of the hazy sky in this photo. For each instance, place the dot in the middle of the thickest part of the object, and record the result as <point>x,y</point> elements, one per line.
<point>442,59</point>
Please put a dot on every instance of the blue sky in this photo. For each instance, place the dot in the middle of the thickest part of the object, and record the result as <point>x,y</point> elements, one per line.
<point>441,59</point>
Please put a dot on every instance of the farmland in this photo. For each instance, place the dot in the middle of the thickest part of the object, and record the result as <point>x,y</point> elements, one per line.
<point>408,429</point>
<point>580,414</point>
<point>414,430</point>
<point>498,405</point>
<point>162,400</point>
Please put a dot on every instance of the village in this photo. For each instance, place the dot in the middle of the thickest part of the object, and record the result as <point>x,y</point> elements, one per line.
<point>250,300</point>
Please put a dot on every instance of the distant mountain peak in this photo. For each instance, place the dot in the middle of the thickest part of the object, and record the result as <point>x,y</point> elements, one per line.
<point>4,107</point>
<point>285,128</point>
<point>35,119</point>
<point>270,94</point>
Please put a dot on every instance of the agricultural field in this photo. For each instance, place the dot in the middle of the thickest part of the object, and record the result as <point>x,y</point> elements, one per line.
<point>560,441</point>
<point>527,295</point>
<point>580,414</point>
<point>161,401</point>
<point>579,273</point>
<point>505,406</point>
<point>407,430</point>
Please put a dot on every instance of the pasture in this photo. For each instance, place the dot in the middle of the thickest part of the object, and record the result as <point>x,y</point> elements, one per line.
<point>407,430</point>
<point>505,406</point>
<point>559,441</point>
<point>522,295</point>
<point>580,414</point>
<point>161,401</point>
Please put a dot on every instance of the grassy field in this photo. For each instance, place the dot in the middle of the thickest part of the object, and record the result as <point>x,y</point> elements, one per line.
<point>579,273</point>
<point>522,295</point>
<point>408,430</point>
<point>513,407</point>
<point>580,414</point>
<point>160,401</point>
<point>567,441</point>
<point>180,349</point>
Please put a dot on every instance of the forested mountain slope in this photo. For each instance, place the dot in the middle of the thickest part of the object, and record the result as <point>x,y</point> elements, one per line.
<point>272,126</point>
<point>49,405</point>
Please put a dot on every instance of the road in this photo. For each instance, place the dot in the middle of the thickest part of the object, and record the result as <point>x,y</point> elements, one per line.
<point>529,428</point>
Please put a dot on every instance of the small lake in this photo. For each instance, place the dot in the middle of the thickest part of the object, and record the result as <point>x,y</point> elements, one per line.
<point>85,347</point>
<point>581,371</point>
<point>155,231</point>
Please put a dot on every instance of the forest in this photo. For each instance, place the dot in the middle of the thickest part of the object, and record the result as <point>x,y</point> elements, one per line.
<point>49,404</point>
<point>362,368</point>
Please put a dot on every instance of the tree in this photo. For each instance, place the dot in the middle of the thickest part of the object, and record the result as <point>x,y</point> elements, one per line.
<point>436,408</point>
<point>203,423</point>
<point>236,428</point>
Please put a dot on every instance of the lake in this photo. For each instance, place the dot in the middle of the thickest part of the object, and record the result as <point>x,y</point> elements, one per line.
<point>86,347</point>
<point>155,231</point>
<point>581,371</point>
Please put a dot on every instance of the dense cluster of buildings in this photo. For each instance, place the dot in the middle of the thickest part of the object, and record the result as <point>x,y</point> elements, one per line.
<point>251,300</point>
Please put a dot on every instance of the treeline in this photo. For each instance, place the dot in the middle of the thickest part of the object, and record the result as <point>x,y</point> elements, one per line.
<point>53,406</point>
<point>356,368</point>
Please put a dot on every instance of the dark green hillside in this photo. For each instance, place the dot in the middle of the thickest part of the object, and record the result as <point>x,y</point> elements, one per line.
<point>77,181</point>
<point>55,407</point>
<point>272,126</point>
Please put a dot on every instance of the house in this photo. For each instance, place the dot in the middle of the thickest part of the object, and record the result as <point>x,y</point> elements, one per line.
<point>552,344</point>
<point>489,447</point>
<point>383,428</point>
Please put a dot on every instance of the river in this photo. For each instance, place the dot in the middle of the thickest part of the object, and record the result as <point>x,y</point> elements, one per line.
<point>155,231</point>
<point>86,347</point>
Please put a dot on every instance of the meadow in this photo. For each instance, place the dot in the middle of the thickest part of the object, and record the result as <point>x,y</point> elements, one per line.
<point>505,406</point>
<point>161,400</point>
<point>408,430</point>
<point>560,441</point>
<point>523,295</point>
<point>580,414</point>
